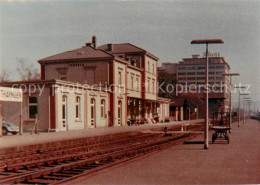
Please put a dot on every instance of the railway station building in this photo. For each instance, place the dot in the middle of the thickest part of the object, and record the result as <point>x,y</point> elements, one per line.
<point>91,87</point>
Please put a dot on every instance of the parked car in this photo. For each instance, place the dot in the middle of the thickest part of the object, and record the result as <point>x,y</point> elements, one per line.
<point>9,127</point>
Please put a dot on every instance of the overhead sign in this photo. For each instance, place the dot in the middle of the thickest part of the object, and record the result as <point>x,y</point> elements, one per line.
<point>11,94</point>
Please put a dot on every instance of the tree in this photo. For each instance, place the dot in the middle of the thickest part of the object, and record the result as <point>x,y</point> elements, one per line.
<point>167,84</point>
<point>27,71</point>
<point>4,77</point>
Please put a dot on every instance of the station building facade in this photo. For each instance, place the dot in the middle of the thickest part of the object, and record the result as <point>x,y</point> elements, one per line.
<point>91,87</point>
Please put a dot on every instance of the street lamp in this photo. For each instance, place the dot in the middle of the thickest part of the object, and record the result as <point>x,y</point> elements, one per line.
<point>241,94</point>
<point>240,87</point>
<point>245,99</point>
<point>207,42</point>
<point>230,95</point>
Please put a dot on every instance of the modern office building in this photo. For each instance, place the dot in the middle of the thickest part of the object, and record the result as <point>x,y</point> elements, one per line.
<point>190,72</point>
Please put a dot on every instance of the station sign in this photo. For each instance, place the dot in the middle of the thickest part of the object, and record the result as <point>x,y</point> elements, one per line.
<point>11,94</point>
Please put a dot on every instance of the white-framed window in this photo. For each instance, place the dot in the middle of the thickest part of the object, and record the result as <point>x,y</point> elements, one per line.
<point>148,85</point>
<point>103,108</point>
<point>132,82</point>
<point>78,107</point>
<point>153,86</point>
<point>92,111</point>
<point>33,107</point>
<point>137,83</point>
<point>64,110</point>
<point>119,77</point>
<point>119,112</point>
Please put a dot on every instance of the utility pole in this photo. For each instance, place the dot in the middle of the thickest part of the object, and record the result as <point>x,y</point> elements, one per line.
<point>207,42</point>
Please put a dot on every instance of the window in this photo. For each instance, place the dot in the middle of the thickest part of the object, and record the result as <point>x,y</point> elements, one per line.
<point>153,87</point>
<point>119,111</point>
<point>200,73</point>
<point>137,83</point>
<point>201,68</point>
<point>132,82</point>
<point>102,107</point>
<point>92,111</point>
<point>62,73</point>
<point>148,85</point>
<point>148,68</point>
<point>78,108</point>
<point>153,69</point>
<point>64,110</point>
<point>191,73</point>
<point>33,108</point>
<point>181,68</point>
<point>181,74</point>
<point>119,77</point>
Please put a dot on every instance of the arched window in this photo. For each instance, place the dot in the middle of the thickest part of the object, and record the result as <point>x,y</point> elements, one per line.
<point>78,108</point>
<point>93,111</point>
<point>33,107</point>
<point>119,112</point>
<point>102,107</point>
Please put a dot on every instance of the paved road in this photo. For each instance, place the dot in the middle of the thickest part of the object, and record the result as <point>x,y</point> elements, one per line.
<point>234,163</point>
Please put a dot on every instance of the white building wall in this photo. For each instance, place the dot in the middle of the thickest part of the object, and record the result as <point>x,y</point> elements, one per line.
<point>120,95</point>
<point>134,81</point>
<point>150,78</point>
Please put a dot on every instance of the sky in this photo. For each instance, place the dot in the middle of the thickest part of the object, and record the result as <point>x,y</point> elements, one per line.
<point>35,29</point>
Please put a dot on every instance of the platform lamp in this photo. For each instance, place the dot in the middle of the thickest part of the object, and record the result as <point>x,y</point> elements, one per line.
<point>245,111</point>
<point>230,95</point>
<point>239,102</point>
<point>207,42</point>
<point>249,103</point>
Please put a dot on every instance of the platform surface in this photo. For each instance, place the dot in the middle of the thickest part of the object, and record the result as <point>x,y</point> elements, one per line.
<point>26,139</point>
<point>234,163</point>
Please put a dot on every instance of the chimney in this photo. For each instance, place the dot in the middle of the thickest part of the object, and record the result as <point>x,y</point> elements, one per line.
<point>109,47</point>
<point>94,41</point>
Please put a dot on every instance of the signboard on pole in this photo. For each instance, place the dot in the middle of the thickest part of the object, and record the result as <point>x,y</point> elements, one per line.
<point>11,94</point>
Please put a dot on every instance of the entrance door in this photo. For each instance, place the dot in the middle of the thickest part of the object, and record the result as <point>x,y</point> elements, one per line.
<point>93,112</point>
<point>119,113</point>
<point>64,126</point>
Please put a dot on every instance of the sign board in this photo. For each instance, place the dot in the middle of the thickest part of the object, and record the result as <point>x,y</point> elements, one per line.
<point>11,94</point>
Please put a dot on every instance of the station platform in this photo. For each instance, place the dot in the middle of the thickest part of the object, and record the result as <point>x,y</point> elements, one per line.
<point>222,163</point>
<point>27,141</point>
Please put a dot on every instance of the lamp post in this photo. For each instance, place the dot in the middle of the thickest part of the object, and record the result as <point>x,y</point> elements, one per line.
<point>245,99</point>
<point>230,96</point>
<point>249,103</point>
<point>207,42</point>
<point>240,87</point>
<point>241,94</point>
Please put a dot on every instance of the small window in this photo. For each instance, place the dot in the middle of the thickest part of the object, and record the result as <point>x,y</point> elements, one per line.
<point>102,107</point>
<point>33,107</point>
<point>132,82</point>
<point>78,108</point>
<point>119,77</point>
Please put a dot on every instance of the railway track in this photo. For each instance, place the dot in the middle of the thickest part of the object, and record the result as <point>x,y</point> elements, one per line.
<point>64,163</point>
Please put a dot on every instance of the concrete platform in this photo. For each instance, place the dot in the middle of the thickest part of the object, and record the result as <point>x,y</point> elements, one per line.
<point>234,163</point>
<point>14,143</point>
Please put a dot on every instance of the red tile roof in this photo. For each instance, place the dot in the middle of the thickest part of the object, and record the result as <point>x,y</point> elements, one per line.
<point>86,52</point>
<point>126,48</point>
